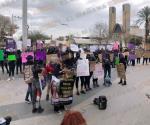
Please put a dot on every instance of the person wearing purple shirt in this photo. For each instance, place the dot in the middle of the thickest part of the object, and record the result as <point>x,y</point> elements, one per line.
<point>132,57</point>
<point>40,55</point>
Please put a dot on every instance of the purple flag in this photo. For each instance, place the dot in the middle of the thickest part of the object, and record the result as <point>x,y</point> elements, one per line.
<point>10,44</point>
<point>131,46</point>
<point>40,55</point>
<point>132,56</point>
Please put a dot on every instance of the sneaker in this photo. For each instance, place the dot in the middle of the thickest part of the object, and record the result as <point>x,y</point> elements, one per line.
<point>120,82</point>
<point>40,110</point>
<point>13,78</point>
<point>59,112</point>
<point>83,92</point>
<point>125,83</point>
<point>148,96</point>
<point>34,110</point>
<point>89,89</point>
<point>97,85</point>
<point>27,101</point>
<point>8,79</point>
<point>104,84</point>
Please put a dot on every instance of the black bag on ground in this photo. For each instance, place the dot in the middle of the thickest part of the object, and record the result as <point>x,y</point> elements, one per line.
<point>101,102</point>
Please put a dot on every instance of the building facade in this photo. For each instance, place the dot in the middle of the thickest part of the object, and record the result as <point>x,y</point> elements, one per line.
<point>112,20</point>
<point>126,18</point>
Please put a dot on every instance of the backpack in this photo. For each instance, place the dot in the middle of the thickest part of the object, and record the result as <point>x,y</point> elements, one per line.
<point>101,102</point>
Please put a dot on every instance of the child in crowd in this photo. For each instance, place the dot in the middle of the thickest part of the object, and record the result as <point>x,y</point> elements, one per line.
<point>95,78</point>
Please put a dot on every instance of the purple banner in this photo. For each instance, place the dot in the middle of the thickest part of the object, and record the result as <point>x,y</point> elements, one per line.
<point>132,56</point>
<point>10,44</point>
<point>40,55</point>
<point>131,46</point>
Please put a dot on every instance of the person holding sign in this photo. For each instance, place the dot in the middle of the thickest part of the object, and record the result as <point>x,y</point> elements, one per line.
<point>107,67</point>
<point>11,63</point>
<point>121,68</point>
<point>2,60</point>
<point>83,72</point>
<point>66,87</point>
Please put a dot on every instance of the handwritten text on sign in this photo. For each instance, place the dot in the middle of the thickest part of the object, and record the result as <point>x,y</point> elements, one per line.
<point>83,67</point>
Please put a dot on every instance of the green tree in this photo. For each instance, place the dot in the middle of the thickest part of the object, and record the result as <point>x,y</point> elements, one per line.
<point>143,17</point>
<point>7,28</point>
<point>37,35</point>
<point>135,40</point>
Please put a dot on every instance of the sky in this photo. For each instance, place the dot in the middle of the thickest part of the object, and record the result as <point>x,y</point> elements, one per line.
<point>65,17</point>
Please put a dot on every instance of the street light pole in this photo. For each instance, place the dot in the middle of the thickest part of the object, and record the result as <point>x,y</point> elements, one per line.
<point>24,23</point>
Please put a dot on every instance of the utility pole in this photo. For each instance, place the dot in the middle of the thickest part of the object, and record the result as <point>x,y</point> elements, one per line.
<point>24,23</point>
<point>12,27</point>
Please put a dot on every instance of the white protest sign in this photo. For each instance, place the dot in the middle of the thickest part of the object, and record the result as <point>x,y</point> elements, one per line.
<point>93,48</point>
<point>74,47</point>
<point>83,67</point>
<point>39,41</point>
<point>19,45</point>
<point>98,72</point>
<point>29,42</point>
<point>81,49</point>
<point>64,48</point>
<point>47,41</point>
<point>110,47</point>
<point>102,47</point>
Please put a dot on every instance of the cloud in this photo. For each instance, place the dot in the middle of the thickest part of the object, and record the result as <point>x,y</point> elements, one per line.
<point>79,15</point>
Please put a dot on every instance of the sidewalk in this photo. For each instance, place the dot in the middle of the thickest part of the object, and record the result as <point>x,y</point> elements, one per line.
<point>127,105</point>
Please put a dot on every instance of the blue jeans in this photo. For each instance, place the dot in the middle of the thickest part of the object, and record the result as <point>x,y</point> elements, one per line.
<point>107,71</point>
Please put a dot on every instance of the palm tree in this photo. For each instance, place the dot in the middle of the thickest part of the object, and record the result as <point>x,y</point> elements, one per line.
<point>144,17</point>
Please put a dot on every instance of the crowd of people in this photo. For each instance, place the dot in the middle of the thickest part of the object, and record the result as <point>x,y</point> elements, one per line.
<point>59,75</point>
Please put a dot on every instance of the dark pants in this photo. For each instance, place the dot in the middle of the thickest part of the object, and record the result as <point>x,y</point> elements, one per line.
<point>36,90</point>
<point>77,82</point>
<point>126,59</point>
<point>133,62</point>
<point>2,63</point>
<point>18,66</point>
<point>58,107</point>
<point>107,71</point>
<point>83,83</point>
<point>87,80</point>
<point>138,60</point>
<point>145,60</point>
<point>95,81</point>
<point>113,64</point>
<point>11,69</point>
<point>29,92</point>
